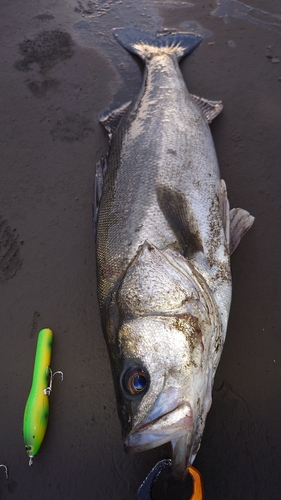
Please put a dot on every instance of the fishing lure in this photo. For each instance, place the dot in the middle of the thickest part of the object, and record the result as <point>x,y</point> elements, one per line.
<point>36,412</point>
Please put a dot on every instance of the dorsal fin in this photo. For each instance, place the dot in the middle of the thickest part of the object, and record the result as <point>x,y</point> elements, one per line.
<point>210,109</point>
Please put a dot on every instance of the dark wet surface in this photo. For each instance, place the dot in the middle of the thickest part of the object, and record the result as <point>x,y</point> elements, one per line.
<point>60,67</point>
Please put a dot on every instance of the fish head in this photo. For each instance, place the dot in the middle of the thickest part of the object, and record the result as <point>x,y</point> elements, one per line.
<point>162,380</point>
<point>167,329</point>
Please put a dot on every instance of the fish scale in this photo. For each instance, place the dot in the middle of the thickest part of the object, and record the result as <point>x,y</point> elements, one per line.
<point>142,164</point>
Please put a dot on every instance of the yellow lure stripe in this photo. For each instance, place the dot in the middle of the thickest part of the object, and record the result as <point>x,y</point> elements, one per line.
<point>36,412</point>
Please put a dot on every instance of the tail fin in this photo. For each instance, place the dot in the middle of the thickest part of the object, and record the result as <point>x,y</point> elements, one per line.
<point>147,44</point>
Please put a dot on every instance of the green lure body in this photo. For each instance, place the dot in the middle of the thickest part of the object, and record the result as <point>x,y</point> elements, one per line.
<point>36,412</point>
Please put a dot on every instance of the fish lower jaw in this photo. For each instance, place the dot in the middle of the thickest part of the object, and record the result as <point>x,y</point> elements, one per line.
<point>168,427</point>
<point>185,449</point>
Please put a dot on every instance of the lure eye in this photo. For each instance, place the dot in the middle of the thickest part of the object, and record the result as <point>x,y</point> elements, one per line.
<point>135,381</point>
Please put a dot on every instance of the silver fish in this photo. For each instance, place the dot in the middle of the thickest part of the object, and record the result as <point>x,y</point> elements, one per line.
<point>164,237</point>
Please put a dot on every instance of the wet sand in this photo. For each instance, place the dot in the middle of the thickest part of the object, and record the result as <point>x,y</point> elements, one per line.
<point>60,67</point>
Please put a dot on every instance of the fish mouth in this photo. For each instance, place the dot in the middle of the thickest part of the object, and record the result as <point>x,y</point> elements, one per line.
<point>157,429</point>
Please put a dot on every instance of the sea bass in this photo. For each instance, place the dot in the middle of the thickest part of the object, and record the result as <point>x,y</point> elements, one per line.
<point>164,235</point>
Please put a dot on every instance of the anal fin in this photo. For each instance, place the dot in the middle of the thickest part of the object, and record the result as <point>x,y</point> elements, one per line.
<point>210,109</point>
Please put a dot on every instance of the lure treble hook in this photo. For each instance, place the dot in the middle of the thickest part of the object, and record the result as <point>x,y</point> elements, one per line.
<point>6,470</point>
<point>145,489</point>
<point>48,390</point>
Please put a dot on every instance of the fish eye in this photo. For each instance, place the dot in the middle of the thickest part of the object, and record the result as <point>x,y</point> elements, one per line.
<point>135,381</point>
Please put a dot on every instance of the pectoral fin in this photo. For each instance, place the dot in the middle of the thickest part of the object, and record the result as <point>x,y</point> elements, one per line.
<point>240,223</point>
<point>210,109</point>
<point>175,208</point>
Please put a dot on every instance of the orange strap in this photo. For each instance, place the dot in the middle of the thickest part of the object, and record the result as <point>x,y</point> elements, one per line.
<point>197,483</point>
